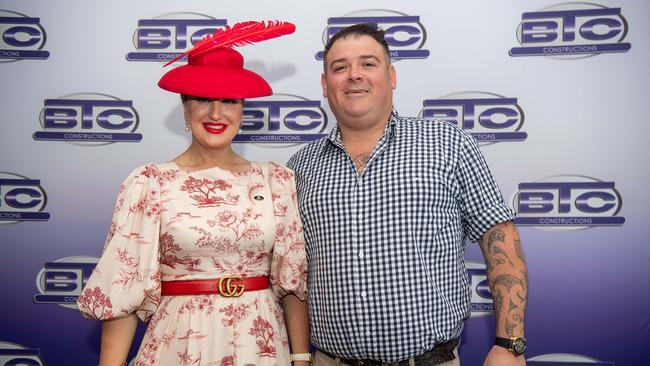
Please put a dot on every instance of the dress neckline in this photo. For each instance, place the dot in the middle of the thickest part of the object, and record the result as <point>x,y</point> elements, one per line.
<point>251,169</point>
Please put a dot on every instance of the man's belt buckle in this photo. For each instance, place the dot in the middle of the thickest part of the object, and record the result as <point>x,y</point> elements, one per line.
<point>227,288</point>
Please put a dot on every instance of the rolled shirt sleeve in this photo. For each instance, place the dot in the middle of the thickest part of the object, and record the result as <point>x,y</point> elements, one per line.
<point>481,203</point>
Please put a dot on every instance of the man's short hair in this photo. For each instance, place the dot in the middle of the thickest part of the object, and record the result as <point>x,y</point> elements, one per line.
<point>357,30</point>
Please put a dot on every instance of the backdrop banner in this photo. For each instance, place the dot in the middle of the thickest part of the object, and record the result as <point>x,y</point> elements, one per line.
<point>554,92</point>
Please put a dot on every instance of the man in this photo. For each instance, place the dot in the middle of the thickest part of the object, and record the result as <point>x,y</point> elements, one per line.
<point>387,203</point>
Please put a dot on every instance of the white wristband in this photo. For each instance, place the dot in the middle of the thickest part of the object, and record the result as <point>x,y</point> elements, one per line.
<point>301,356</point>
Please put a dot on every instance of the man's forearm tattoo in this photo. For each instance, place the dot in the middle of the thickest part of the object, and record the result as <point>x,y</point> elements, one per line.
<point>508,278</point>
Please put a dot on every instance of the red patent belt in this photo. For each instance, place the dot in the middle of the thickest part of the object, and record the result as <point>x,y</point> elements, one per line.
<point>227,286</point>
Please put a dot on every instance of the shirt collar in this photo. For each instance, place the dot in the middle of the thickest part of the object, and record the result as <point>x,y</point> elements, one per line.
<point>335,135</point>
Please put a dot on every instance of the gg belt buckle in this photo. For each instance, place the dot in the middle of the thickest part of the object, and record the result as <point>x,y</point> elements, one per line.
<point>229,289</point>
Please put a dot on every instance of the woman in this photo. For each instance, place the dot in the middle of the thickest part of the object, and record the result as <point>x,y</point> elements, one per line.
<point>202,247</point>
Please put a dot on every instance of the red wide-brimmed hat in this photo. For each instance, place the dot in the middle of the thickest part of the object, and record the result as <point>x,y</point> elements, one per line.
<point>218,73</point>
<point>215,70</point>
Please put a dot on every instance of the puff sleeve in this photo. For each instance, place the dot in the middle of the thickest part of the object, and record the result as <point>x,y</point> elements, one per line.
<point>127,277</point>
<point>289,261</point>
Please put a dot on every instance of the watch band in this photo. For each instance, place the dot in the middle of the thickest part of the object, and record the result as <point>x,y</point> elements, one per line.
<point>301,357</point>
<point>503,342</point>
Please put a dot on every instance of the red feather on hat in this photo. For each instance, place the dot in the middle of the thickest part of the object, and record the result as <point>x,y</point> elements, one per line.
<point>240,34</point>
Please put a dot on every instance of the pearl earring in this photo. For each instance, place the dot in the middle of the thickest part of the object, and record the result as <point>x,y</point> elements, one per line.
<point>187,126</point>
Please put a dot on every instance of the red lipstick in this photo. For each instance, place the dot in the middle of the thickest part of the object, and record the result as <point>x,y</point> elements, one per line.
<point>215,127</point>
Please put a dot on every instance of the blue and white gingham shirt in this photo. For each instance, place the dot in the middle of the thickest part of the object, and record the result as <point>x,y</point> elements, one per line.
<point>387,277</point>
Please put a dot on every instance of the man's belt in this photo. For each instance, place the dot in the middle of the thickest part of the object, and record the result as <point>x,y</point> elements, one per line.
<point>441,353</point>
<point>227,286</point>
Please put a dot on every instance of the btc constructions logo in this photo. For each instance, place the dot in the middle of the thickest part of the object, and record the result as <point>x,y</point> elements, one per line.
<point>481,301</point>
<point>167,36</point>
<point>19,355</point>
<point>405,35</point>
<point>568,202</point>
<point>282,119</point>
<point>88,118</point>
<point>23,37</point>
<point>21,199</point>
<point>572,30</point>
<point>61,281</point>
<point>488,117</point>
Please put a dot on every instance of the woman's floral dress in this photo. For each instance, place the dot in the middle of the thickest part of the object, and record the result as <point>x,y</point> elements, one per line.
<point>175,225</point>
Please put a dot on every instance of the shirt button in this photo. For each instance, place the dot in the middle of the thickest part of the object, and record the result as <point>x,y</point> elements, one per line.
<point>360,216</point>
<point>363,294</point>
<point>361,255</point>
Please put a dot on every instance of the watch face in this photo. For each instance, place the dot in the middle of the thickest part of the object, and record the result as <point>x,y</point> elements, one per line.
<point>519,345</point>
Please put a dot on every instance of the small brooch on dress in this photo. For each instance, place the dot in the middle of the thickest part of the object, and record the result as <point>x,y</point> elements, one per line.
<point>258,198</point>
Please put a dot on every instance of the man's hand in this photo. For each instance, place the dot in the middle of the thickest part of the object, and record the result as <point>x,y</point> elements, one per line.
<point>500,356</point>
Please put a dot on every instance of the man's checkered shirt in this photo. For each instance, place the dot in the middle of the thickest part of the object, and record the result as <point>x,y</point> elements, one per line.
<point>387,277</point>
